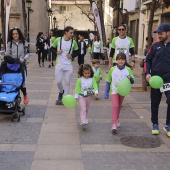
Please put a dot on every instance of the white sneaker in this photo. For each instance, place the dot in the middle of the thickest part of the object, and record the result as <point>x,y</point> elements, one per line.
<point>83,123</point>
<point>114,127</point>
<point>86,122</point>
<point>118,124</point>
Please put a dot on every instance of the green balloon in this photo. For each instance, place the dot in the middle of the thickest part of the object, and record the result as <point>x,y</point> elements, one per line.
<point>69,101</point>
<point>124,87</point>
<point>53,39</point>
<point>97,77</point>
<point>156,82</point>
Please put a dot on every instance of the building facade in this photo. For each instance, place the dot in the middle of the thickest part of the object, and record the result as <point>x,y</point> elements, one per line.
<point>135,14</point>
<point>38,19</point>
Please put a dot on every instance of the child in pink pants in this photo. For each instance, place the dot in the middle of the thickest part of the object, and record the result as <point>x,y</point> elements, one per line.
<point>115,75</point>
<point>85,87</point>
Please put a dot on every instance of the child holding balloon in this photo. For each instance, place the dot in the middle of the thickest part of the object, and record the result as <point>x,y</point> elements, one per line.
<point>98,74</point>
<point>115,75</point>
<point>85,87</point>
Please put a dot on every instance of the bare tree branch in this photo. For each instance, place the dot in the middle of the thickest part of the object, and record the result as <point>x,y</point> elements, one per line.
<point>86,14</point>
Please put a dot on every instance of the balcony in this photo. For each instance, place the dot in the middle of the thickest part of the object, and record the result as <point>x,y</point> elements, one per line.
<point>146,2</point>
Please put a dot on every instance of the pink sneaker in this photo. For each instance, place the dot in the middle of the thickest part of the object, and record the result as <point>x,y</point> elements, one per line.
<point>114,127</point>
<point>118,124</point>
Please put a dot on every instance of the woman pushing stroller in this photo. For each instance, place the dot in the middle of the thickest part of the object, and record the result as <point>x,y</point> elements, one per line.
<point>17,48</point>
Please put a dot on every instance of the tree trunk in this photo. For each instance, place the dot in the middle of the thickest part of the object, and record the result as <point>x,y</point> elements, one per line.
<point>24,18</point>
<point>102,21</point>
<point>150,24</point>
<point>3,22</point>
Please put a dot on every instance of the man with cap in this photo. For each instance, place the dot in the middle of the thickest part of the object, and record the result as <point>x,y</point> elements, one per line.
<point>158,63</point>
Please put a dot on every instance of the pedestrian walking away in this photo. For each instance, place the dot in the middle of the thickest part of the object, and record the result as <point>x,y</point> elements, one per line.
<point>115,75</point>
<point>122,44</point>
<point>51,54</point>
<point>67,49</point>
<point>98,74</point>
<point>40,48</point>
<point>157,63</point>
<point>82,50</point>
<point>17,47</point>
<point>85,87</point>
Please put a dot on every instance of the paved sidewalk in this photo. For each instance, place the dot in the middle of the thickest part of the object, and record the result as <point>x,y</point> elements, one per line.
<point>49,137</point>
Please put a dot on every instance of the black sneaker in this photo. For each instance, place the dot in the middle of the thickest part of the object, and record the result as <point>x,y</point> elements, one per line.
<point>52,64</point>
<point>60,96</point>
<point>49,66</point>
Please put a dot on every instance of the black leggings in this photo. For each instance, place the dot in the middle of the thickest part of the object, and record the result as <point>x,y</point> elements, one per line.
<point>40,55</point>
<point>96,56</point>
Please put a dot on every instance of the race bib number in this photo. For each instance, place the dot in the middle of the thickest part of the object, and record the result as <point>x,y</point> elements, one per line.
<point>165,87</point>
<point>121,50</point>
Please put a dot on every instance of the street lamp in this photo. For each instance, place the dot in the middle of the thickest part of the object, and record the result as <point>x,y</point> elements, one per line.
<point>54,21</point>
<point>49,10</point>
<point>28,5</point>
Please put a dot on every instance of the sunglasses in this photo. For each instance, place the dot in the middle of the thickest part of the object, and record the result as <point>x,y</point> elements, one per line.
<point>121,29</point>
<point>14,28</point>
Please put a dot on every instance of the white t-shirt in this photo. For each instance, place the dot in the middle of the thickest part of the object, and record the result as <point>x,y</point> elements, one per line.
<point>96,46</point>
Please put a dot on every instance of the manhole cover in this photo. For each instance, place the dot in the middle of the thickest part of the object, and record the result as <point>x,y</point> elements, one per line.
<point>140,142</point>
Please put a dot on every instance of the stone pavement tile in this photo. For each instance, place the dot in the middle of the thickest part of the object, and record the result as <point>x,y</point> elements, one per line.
<point>41,86</point>
<point>52,138</point>
<point>92,148</point>
<point>163,148</point>
<point>39,95</point>
<point>124,160</point>
<point>19,133</point>
<point>20,147</point>
<point>104,112</point>
<point>114,148</point>
<point>6,147</point>
<point>59,127</point>
<point>138,105</point>
<point>33,120</point>
<point>58,152</point>
<point>53,117</point>
<point>59,110</point>
<point>34,111</point>
<point>16,160</point>
<point>37,102</point>
<point>57,165</point>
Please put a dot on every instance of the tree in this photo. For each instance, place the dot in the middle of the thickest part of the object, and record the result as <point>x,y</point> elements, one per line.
<point>24,15</point>
<point>3,22</point>
<point>155,4</point>
<point>100,8</point>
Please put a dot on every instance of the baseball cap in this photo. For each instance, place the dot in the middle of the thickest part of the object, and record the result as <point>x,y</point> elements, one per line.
<point>164,27</point>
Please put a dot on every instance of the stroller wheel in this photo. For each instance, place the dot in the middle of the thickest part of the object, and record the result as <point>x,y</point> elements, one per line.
<point>14,116</point>
<point>18,118</point>
<point>23,111</point>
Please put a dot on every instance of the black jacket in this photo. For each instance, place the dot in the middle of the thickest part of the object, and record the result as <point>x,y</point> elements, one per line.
<point>84,47</point>
<point>158,61</point>
<point>40,43</point>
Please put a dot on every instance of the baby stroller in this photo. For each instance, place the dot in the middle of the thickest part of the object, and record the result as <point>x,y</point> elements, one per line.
<point>12,78</point>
